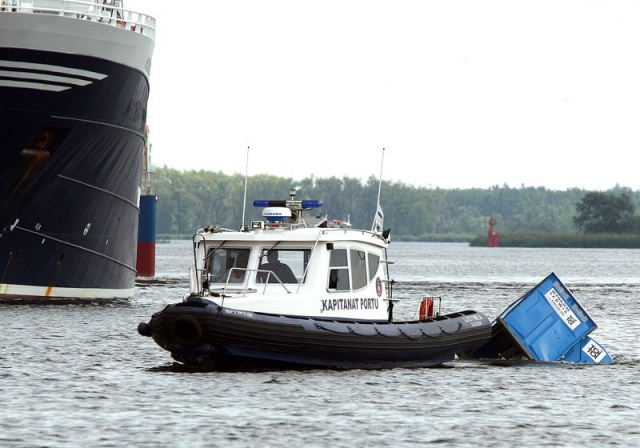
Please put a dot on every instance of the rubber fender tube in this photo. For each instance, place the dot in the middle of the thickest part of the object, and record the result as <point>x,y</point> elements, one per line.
<point>144,329</point>
<point>186,331</point>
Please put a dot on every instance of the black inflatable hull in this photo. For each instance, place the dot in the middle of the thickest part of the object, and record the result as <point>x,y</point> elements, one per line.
<point>199,333</point>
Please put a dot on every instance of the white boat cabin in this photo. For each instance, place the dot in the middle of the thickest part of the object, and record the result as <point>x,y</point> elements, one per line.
<point>286,265</point>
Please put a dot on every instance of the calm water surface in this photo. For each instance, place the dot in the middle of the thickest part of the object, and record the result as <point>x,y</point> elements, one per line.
<point>80,375</point>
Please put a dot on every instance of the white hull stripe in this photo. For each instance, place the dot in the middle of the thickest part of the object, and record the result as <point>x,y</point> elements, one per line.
<point>33,85</point>
<point>52,69</point>
<point>41,76</point>
<point>19,291</point>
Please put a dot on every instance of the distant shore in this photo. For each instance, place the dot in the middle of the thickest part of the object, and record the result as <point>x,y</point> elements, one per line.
<point>572,240</point>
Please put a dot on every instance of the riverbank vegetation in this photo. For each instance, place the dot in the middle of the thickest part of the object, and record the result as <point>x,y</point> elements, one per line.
<point>525,216</point>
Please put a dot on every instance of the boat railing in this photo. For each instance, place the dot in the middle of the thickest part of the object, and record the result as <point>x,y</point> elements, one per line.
<point>352,231</point>
<point>266,225</point>
<point>229,285</point>
<point>268,275</point>
<point>107,12</point>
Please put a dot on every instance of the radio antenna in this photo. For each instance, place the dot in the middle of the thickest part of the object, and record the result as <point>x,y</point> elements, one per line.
<point>244,201</point>
<point>378,219</point>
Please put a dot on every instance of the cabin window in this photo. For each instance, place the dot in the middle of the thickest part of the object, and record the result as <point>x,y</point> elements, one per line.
<point>282,265</point>
<point>358,268</point>
<point>351,269</point>
<point>374,264</point>
<point>227,264</point>
<point>339,270</point>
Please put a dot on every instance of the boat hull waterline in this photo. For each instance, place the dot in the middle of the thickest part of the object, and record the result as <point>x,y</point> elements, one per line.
<point>199,333</point>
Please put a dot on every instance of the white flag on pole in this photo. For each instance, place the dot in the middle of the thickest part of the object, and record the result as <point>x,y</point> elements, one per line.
<point>379,221</point>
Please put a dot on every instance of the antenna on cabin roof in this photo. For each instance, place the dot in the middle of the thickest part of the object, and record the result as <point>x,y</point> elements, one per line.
<point>378,219</point>
<point>244,227</point>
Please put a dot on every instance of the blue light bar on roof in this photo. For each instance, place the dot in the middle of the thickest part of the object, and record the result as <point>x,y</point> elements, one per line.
<point>265,203</point>
<point>312,203</point>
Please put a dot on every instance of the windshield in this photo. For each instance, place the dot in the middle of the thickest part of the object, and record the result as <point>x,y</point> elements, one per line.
<point>228,264</point>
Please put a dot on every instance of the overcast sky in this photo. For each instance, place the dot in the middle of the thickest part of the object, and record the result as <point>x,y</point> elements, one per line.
<point>459,93</point>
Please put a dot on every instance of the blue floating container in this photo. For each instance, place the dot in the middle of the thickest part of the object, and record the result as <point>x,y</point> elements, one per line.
<point>587,351</point>
<point>548,322</point>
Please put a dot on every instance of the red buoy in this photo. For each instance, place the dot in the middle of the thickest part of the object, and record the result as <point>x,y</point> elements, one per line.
<point>494,237</point>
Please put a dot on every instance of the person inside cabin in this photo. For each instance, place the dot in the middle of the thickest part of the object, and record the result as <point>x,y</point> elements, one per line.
<point>281,270</point>
<point>236,273</point>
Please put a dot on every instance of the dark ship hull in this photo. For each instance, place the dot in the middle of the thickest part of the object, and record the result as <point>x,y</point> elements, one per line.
<point>73,98</point>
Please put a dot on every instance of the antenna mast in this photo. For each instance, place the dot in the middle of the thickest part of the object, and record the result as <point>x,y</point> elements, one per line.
<point>244,201</point>
<point>379,217</point>
<point>380,184</point>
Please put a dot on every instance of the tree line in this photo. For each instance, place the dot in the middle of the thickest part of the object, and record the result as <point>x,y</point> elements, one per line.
<point>188,200</point>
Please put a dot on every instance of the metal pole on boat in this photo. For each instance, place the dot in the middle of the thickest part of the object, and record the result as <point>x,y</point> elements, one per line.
<point>380,183</point>
<point>379,216</point>
<point>244,201</point>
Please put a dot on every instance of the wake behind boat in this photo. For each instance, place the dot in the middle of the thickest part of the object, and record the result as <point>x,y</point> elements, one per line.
<point>74,84</point>
<point>293,291</point>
